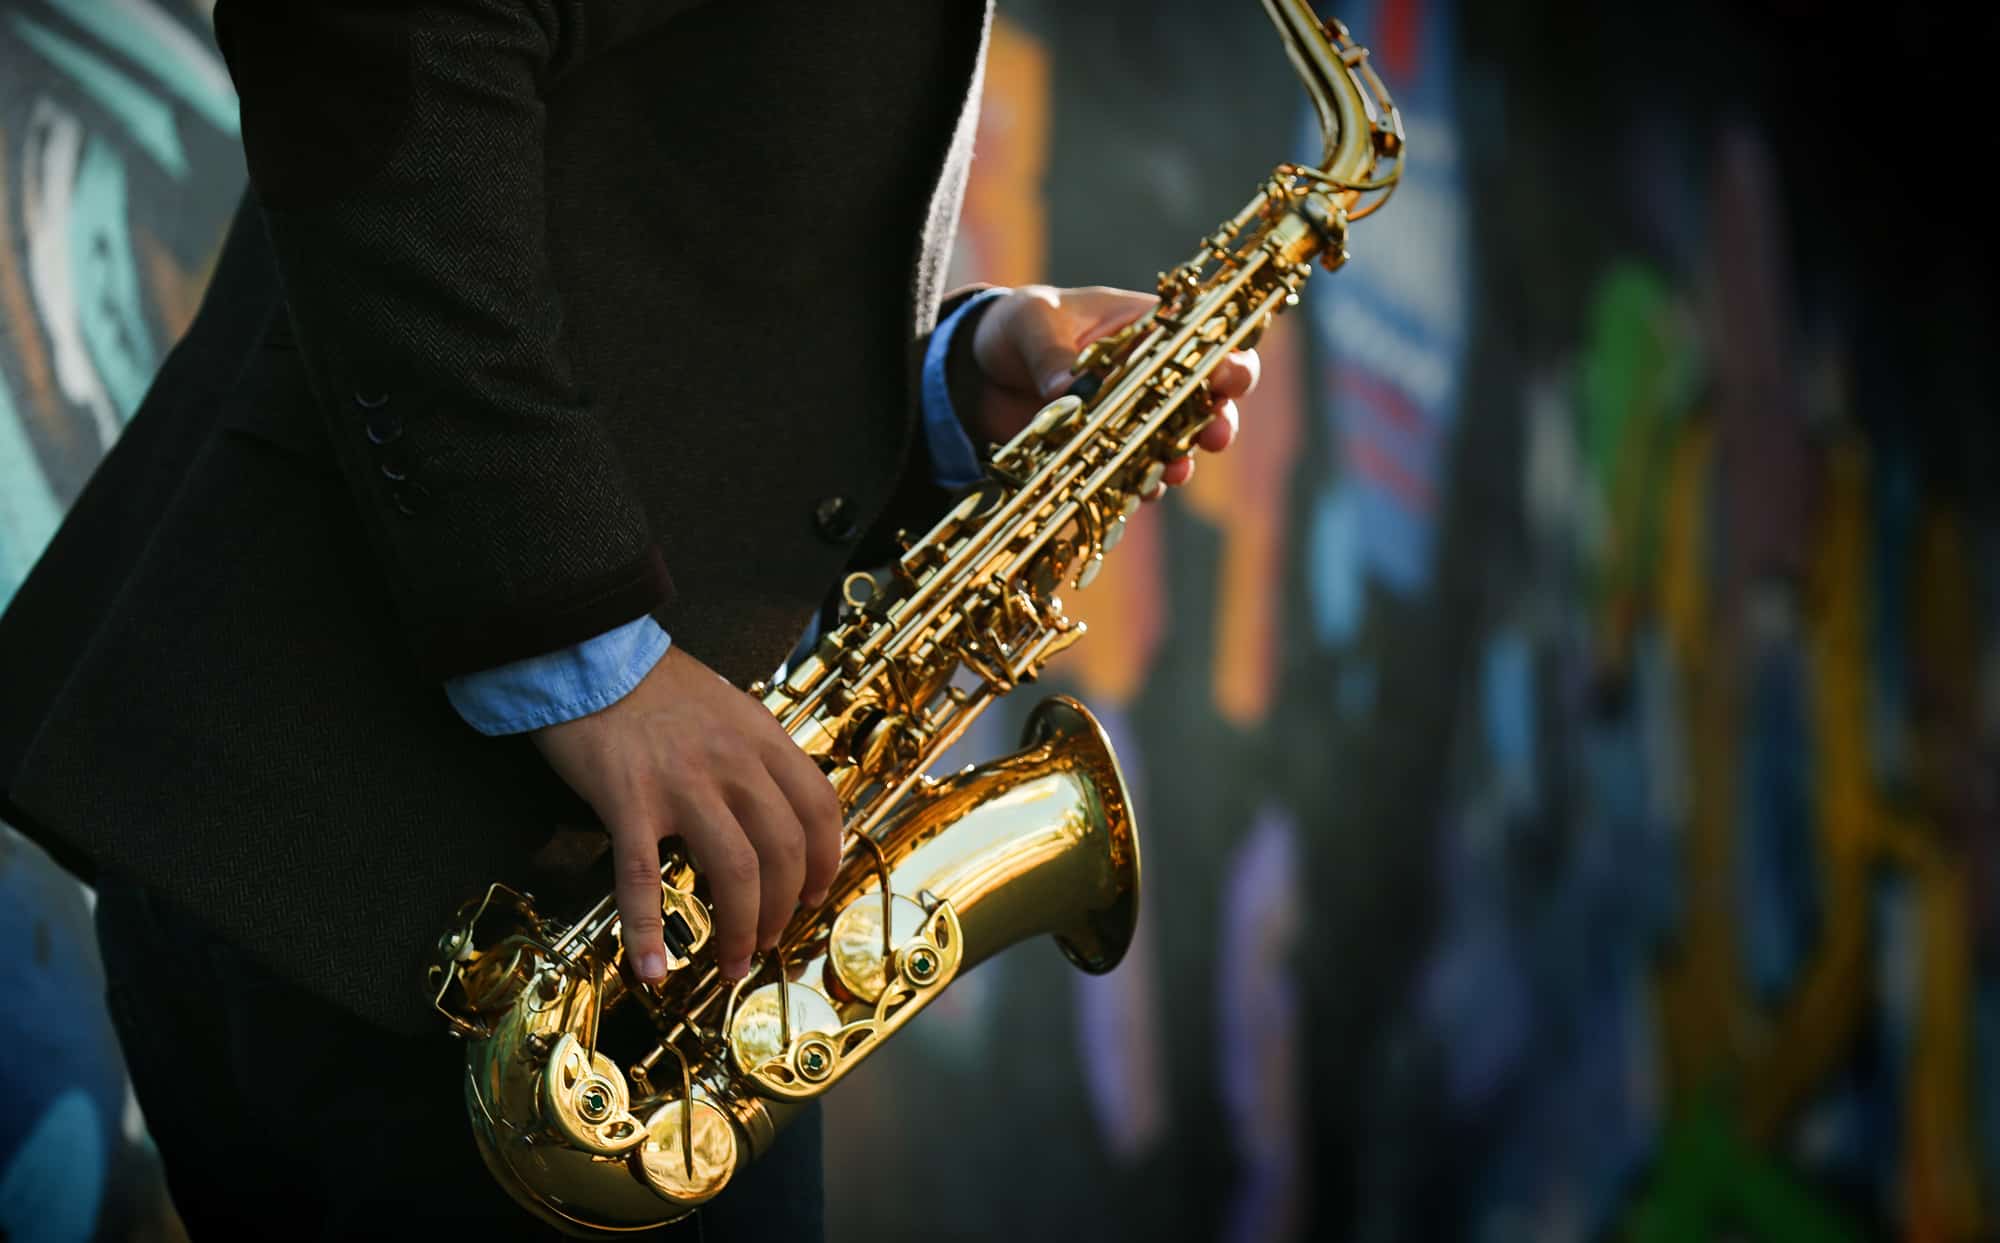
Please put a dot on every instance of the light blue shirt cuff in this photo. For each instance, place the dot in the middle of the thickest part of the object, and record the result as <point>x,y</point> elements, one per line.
<point>954,460</point>
<point>562,685</point>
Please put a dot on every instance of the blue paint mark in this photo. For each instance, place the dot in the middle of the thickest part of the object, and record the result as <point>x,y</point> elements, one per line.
<point>182,65</point>
<point>1475,994</point>
<point>1507,703</point>
<point>1333,573</point>
<point>1394,328</point>
<point>1354,691</point>
<point>54,1182</point>
<point>1778,881</point>
<point>150,121</point>
<point>1986,1078</point>
<point>109,306</point>
<point>1257,1027</point>
<point>29,512</point>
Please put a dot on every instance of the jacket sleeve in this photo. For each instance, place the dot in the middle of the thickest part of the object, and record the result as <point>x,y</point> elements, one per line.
<point>929,485</point>
<point>396,149</point>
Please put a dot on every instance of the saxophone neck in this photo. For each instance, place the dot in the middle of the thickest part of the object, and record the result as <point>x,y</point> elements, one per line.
<point>1358,122</point>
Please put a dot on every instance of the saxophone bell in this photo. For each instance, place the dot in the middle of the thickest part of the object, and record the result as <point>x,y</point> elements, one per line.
<point>1037,842</point>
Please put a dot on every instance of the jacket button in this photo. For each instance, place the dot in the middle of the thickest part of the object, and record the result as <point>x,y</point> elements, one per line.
<point>834,518</point>
<point>371,401</point>
<point>383,428</point>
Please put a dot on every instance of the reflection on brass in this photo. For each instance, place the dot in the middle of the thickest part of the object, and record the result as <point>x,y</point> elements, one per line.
<point>690,1151</point>
<point>936,875</point>
<point>854,948</point>
<point>758,1034</point>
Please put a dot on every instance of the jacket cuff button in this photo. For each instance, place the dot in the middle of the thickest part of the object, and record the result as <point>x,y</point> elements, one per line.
<point>371,401</point>
<point>410,499</point>
<point>383,429</point>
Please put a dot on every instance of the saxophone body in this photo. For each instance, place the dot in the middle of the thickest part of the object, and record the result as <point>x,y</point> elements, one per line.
<point>605,1105</point>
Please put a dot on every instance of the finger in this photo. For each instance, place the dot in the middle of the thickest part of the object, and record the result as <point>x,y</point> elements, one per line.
<point>1106,309</point>
<point>778,839</point>
<point>1219,432</point>
<point>1179,471</point>
<point>1236,374</point>
<point>635,879</point>
<point>818,809</point>
<point>729,864</point>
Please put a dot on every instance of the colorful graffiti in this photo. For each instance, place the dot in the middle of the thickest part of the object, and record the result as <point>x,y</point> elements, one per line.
<point>118,174</point>
<point>1694,951</point>
<point>1564,729</point>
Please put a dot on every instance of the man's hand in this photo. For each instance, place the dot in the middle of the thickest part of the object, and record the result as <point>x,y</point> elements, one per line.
<point>1026,341</point>
<point>686,753</point>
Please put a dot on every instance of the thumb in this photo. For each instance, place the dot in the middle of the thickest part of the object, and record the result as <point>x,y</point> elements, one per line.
<point>1047,349</point>
<point>1086,315</point>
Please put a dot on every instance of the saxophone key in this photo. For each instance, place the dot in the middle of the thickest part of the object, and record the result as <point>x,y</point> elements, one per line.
<point>690,1151</point>
<point>855,967</point>
<point>757,1035</point>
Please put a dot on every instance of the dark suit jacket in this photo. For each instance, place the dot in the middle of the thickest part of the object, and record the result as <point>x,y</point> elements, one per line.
<point>543,314</point>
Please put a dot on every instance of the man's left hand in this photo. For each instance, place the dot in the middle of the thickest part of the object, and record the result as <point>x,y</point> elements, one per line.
<point>1026,341</point>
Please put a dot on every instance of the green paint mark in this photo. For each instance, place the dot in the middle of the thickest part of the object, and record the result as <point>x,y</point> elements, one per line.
<point>150,121</point>
<point>164,48</point>
<point>29,511</point>
<point>1710,1180</point>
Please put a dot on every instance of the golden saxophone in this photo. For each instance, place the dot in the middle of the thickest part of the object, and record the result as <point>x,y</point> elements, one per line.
<point>606,1106</point>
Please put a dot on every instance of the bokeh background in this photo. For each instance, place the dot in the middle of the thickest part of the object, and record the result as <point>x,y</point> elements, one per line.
<point>1566,731</point>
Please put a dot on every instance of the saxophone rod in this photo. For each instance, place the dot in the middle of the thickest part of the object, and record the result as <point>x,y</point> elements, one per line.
<point>902,629</point>
<point>1003,524</point>
<point>1004,527</point>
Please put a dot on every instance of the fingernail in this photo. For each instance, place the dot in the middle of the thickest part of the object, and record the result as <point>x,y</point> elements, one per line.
<point>1054,383</point>
<point>814,898</point>
<point>652,966</point>
<point>736,970</point>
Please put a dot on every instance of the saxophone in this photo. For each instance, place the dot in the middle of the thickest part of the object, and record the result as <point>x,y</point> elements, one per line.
<point>604,1105</point>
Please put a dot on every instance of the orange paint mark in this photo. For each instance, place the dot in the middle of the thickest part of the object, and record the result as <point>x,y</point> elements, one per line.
<point>1003,229</point>
<point>1245,492</point>
<point>1707,1021</point>
<point>18,319</point>
<point>1683,591</point>
<point>1126,606</point>
<point>176,290</point>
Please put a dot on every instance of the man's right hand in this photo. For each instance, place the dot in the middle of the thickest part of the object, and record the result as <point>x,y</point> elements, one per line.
<point>686,753</point>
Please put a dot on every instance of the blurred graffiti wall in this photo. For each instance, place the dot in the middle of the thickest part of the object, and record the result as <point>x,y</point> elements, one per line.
<point>1564,729</point>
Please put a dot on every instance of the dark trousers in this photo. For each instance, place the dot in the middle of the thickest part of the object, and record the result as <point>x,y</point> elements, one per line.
<point>280,1116</point>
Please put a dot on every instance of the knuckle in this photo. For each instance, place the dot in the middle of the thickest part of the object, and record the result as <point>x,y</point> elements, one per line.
<point>826,825</point>
<point>721,747</point>
<point>638,874</point>
<point>787,848</point>
<point>736,867</point>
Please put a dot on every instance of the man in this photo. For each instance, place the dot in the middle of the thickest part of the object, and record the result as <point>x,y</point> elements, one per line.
<point>561,358</point>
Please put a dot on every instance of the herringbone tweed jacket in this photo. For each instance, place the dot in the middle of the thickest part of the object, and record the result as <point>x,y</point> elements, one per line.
<point>540,315</point>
